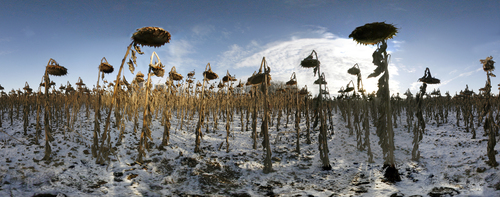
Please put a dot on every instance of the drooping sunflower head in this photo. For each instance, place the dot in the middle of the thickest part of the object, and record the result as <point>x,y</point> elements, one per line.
<point>139,77</point>
<point>158,71</point>
<point>488,64</point>
<point>174,75</point>
<point>151,36</point>
<point>53,68</point>
<point>105,67</point>
<point>373,33</point>
<point>209,74</point>
<point>80,83</point>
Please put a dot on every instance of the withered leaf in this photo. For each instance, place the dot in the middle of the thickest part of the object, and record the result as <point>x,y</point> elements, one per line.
<point>134,58</point>
<point>377,72</point>
<point>138,49</point>
<point>131,66</point>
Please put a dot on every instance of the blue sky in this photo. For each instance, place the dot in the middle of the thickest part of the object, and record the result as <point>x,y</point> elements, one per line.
<point>449,37</point>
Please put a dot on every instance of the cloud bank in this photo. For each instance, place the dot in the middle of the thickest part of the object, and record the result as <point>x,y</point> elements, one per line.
<point>336,55</point>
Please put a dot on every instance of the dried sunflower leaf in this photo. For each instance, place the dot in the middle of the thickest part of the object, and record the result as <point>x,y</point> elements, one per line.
<point>134,58</point>
<point>377,72</point>
<point>315,70</point>
<point>131,66</point>
<point>138,49</point>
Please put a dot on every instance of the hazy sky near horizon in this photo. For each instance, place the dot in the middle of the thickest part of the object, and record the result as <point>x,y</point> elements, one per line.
<point>449,37</point>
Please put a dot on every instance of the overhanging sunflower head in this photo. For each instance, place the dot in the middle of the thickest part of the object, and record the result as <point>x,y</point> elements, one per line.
<point>373,33</point>
<point>53,68</point>
<point>105,66</point>
<point>151,36</point>
<point>488,64</point>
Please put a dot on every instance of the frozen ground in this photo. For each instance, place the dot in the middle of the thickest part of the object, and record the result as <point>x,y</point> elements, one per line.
<point>449,159</point>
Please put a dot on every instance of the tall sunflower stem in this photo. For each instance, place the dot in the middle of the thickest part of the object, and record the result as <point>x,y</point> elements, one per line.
<point>104,150</point>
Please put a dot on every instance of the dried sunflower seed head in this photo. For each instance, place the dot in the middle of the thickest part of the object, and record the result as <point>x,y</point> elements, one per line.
<point>151,36</point>
<point>488,64</point>
<point>106,68</point>
<point>373,33</point>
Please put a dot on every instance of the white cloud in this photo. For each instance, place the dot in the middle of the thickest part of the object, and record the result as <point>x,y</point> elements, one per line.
<point>202,30</point>
<point>336,55</point>
<point>398,62</point>
<point>464,74</point>
<point>177,55</point>
<point>415,87</point>
<point>396,44</point>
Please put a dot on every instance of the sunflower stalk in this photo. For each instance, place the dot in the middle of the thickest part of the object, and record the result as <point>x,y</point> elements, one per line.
<point>102,156</point>
<point>146,119</point>
<point>371,34</point>
<point>268,168</point>
<point>490,127</point>
<point>201,107</point>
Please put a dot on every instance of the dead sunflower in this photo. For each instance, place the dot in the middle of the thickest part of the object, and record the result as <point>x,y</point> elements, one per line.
<point>292,81</point>
<point>174,75</point>
<point>488,64</point>
<point>427,78</point>
<point>69,89</point>
<point>341,90</point>
<point>373,33</point>
<point>80,83</point>
<point>257,79</point>
<point>53,68</point>
<point>139,74</point>
<point>228,78</point>
<point>158,71</point>
<point>221,85</point>
<point>105,67</point>
<point>309,61</point>
<point>139,77</point>
<point>321,80</point>
<point>209,74</point>
<point>354,70</point>
<point>191,74</point>
<point>437,92</point>
<point>303,91</point>
<point>50,84</point>
<point>349,87</point>
<point>27,88</point>
<point>151,36</point>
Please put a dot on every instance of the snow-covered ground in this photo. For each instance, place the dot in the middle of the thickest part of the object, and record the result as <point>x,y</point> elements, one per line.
<point>450,159</point>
